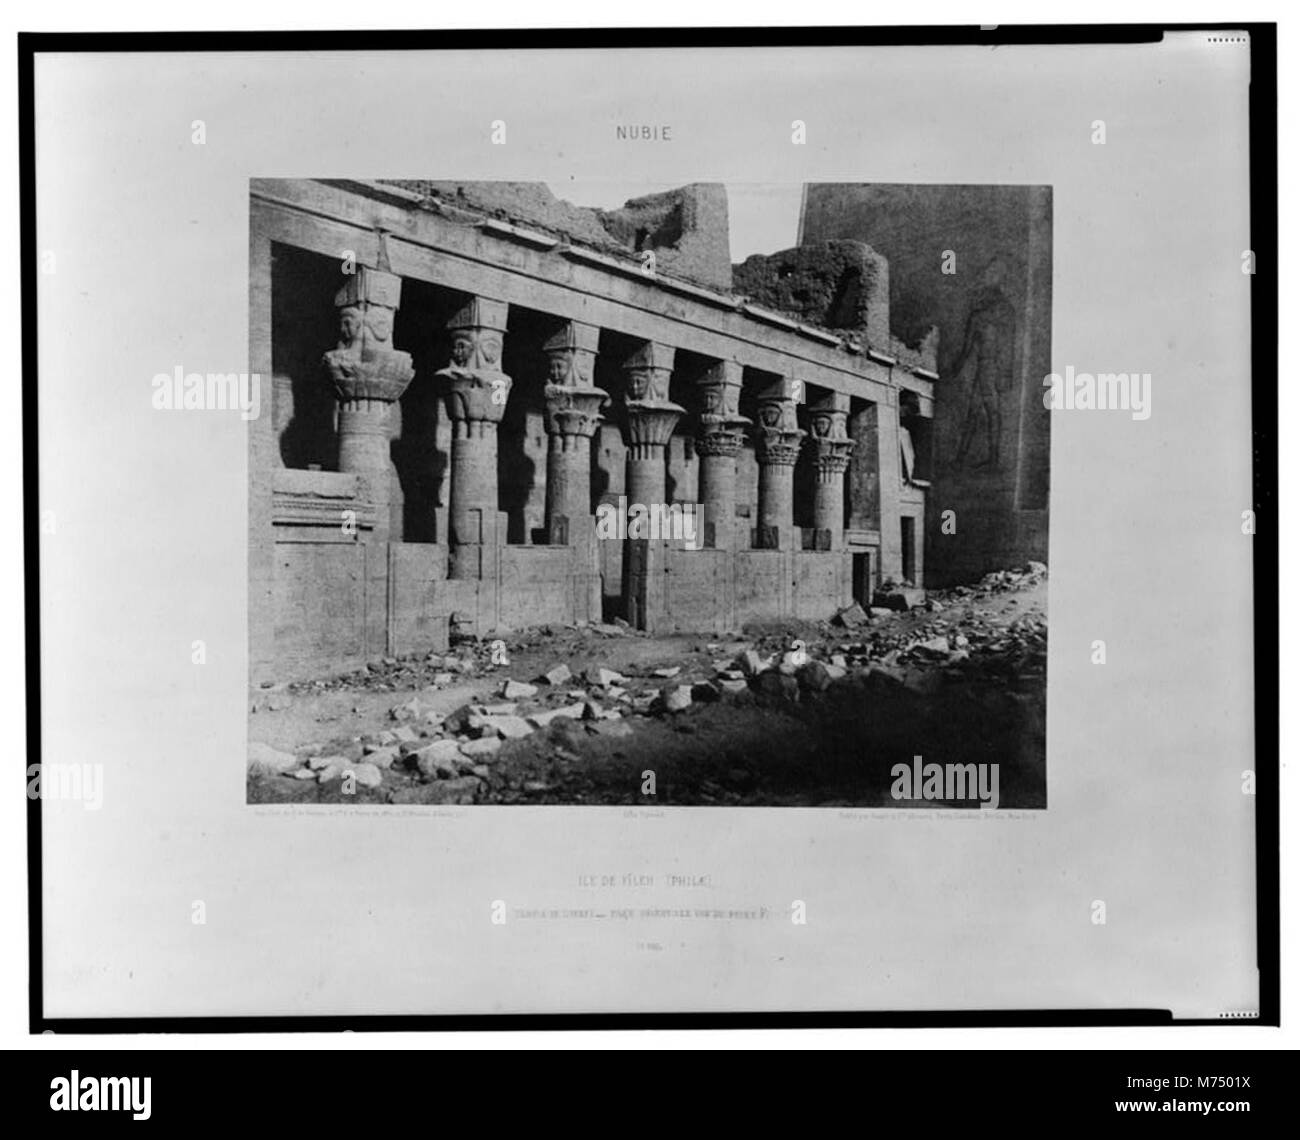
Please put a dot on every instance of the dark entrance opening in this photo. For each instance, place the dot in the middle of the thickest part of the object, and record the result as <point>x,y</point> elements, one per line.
<point>909,550</point>
<point>863,584</point>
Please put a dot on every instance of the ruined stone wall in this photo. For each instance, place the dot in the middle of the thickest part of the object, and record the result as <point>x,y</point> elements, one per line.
<point>842,286</point>
<point>686,228</point>
<point>975,261</point>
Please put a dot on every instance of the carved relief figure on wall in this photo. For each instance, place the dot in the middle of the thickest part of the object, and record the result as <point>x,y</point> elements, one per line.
<point>986,366</point>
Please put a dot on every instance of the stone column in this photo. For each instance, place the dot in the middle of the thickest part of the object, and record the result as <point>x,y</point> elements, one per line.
<point>651,417</point>
<point>396,497</point>
<point>369,377</point>
<point>832,449</point>
<point>720,439</point>
<point>778,439</point>
<point>476,393</point>
<point>573,404</point>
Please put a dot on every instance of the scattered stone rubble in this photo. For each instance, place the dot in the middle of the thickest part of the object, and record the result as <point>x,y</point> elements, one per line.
<point>960,639</point>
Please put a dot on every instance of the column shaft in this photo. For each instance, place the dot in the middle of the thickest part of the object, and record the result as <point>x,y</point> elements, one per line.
<point>832,449</point>
<point>651,417</point>
<point>778,441</point>
<point>573,406</point>
<point>718,443</point>
<point>477,391</point>
<point>369,378</point>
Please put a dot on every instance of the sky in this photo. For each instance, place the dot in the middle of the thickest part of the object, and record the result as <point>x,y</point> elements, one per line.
<point>764,217</point>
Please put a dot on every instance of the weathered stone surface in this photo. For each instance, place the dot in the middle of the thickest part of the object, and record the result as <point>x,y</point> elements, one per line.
<point>604,677</point>
<point>334,770</point>
<point>614,729</point>
<point>934,645</point>
<point>557,675</point>
<point>499,708</point>
<point>686,227</point>
<point>316,763</point>
<point>900,597</point>
<point>851,616</point>
<point>777,686</point>
<point>814,677</point>
<point>840,285</point>
<point>509,727</point>
<point>460,720</point>
<point>409,710</point>
<point>367,775</point>
<point>477,749</point>
<point>518,690</point>
<point>676,697</point>
<point>438,757</point>
<point>383,757</point>
<point>542,719</point>
<point>263,760</point>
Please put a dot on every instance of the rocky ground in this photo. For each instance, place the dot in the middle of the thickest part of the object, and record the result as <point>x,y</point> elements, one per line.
<point>812,714</point>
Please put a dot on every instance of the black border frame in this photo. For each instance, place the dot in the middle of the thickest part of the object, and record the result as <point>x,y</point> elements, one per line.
<point>1264,392</point>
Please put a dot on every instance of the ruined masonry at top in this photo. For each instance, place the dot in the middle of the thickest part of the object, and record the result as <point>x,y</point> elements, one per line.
<point>455,414</point>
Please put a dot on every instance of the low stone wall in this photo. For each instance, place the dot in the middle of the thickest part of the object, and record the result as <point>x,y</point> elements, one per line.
<point>677,590</point>
<point>537,586</point>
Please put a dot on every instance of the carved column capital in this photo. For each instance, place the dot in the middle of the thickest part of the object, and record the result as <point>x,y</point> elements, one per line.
<point>573,402</point>
<point>651,415</point>
<point>778,436</point>
<point>364,366</point>
<point>828,423</point>
<point>722,426</point>
<point>477,389</point>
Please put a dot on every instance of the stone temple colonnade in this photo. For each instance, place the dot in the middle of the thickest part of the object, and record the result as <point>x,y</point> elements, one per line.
<point>783,523</point>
